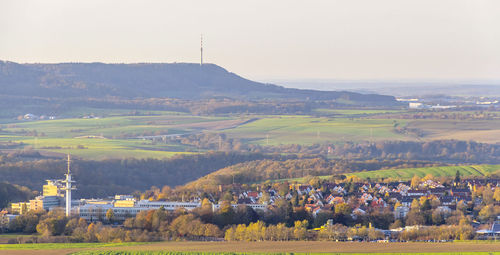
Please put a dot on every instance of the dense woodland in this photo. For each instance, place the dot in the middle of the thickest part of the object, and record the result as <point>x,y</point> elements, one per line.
<point>13,193</point>
<point>263,170</point>
<point>110,177</point>
<point>113,176</point>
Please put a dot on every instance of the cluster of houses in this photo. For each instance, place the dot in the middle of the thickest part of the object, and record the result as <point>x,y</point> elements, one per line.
<point>379,195</point>
<point>396,196</point>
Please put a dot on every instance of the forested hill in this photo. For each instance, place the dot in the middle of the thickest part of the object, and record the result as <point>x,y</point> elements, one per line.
<point>114,176</point>
<point>177,80</point>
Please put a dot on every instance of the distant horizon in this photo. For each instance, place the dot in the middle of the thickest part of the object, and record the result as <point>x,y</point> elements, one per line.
<point>288,81</point>
<point>322,39</point>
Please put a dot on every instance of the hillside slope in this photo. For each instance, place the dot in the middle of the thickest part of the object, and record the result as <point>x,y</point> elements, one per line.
<point>146,80</point>
<point>408,173</point>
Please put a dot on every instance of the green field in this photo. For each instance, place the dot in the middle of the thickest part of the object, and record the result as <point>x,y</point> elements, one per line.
<point>4,238</point>
<point>6,114</point>
<point>408,173</point>
<point>112,126</point>
<point>265,247</point>
<point>102,148</point>
<point>309,130</point>
<point>484,131</point>
<point>354,112</point>
<point>236,253</point>
<point>53,246</point>
<point>111,137</point>
<point>113,132</point>
<point>14,235</point>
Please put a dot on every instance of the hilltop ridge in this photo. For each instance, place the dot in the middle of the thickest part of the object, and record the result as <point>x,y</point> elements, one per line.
<point>147,80</point>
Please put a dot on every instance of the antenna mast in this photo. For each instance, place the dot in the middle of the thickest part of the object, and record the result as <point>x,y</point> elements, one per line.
<point>201,50</point>
<point>68,181</point>
<point>69,163</point>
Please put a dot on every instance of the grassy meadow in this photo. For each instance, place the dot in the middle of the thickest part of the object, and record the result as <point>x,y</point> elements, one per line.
<point>259,253</point>
<point>111,135</point>
<point>102,148</point>
<point>486,131</point>
<point>112,126</point>
<point>408,173</point>
<point>54,246</point>
<point>354,112</point>
<point>308,130</point>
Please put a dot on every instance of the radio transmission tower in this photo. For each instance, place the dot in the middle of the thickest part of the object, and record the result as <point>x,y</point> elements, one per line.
<point>201,50</point>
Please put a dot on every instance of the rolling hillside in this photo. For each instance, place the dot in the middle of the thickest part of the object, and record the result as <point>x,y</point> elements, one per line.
<point>147,80</point>
<point>408,173</point>
<point>274,171</point>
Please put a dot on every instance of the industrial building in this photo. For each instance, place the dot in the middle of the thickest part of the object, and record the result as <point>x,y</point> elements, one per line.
<point>57,193</point>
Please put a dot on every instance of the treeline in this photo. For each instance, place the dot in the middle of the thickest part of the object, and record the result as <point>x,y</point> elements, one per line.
<point>282,222</point>
<point>13,193</point>
<point>258,231</point>
<point>114,176</point>
<point>444,115</point>
<point>20,105</point>
<point>450,151</point>
<point>440,150</point>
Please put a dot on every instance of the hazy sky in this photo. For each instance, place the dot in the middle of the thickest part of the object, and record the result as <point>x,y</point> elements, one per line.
<point>265,39</point>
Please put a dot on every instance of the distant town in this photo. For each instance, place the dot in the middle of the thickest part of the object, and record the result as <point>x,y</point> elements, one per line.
<point>413,206</point>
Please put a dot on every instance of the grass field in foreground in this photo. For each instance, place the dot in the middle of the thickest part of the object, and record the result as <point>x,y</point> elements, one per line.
<point>266,247</point>
<point>54,246</point>
<point>13,235</point>
<point>313,247</point>
<point>234,253</point>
